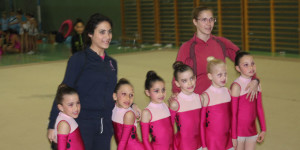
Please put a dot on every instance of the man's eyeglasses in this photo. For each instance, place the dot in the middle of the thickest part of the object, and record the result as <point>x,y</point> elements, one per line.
<point>205,20</point>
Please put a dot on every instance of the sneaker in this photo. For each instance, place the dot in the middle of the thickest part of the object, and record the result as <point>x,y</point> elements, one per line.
<point>30,52</point>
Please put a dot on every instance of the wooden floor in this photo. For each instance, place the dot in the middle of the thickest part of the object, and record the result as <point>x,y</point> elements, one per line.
<point>27,92</point>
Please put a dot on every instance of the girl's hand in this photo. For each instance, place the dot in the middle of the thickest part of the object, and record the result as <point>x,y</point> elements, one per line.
<point>137,111</point>
<point>261,137</point>
<point>234,143</point>
<point>51,135</point>
<point>204,148</point>
<point>253,88</point>
<point>172,97</point>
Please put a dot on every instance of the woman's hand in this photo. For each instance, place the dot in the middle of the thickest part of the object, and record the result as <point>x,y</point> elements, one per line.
<point>51,135</point>
<point>253,88</point>
<point>261,137</point>
<point>137,111</point>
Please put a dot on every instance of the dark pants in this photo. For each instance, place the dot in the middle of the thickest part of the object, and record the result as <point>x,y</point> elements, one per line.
<point>96,133</point>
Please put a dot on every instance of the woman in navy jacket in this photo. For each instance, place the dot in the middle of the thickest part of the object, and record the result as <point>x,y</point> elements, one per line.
<point>94,75</point>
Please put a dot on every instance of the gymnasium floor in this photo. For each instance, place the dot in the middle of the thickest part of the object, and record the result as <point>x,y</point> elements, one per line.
<point>27,89</point>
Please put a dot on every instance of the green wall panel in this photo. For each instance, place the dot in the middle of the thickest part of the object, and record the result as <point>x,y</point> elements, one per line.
<point>54,12</point>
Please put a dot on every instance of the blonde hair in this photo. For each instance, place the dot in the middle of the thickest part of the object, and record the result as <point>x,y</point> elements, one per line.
<point>212,62</point>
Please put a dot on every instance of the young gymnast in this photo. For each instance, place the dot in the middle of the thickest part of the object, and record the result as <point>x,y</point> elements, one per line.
<point>32,34</point>
<point>66,128</point>
<point>156,117</point>
<point>123,117</point>
<point>4,21</point>
<point>216,110</point>
<point>2,40</point>
<point>244,111</point>
<point>24,29</point>
<point>186,109</point>
<point>78,38</point>
<point>12,42</point>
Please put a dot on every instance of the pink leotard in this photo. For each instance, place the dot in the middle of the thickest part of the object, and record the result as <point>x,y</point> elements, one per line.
<point>71,141</point>
<point>188,122</point>
<point>160,127</point>
<point>17,43</point>
<point>245,112</point>
<point>216,120</point>
<point>125,135</point>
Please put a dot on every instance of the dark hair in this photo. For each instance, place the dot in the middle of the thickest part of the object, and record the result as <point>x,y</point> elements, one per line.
<point>62,90</point>
<point>4,13</point>
<point>78,20</point>
<point>239,55</point>
<point>199,9</point>
<point>180,67</point>
<point>10,31</point>
<point>29,14</point>
<point>121,82</point>
<point>19,11</point>
<point>91,25</point>
<point>151,77</point>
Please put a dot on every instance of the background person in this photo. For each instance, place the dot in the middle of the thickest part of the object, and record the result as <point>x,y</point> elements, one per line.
<point>77,42</point>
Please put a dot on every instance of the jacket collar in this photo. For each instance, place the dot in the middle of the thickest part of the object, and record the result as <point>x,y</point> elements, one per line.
<point>94,55</point>
<point>200,41</point>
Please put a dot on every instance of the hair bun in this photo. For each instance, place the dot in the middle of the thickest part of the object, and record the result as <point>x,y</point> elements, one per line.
<point>78,20</point>
<point>237,52</point>
<point>210,58</point>
<point>151,77</point>
<point>177,65</point>
<point>151,74</point>
<point>123,80</point>
<point>62,86</point>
